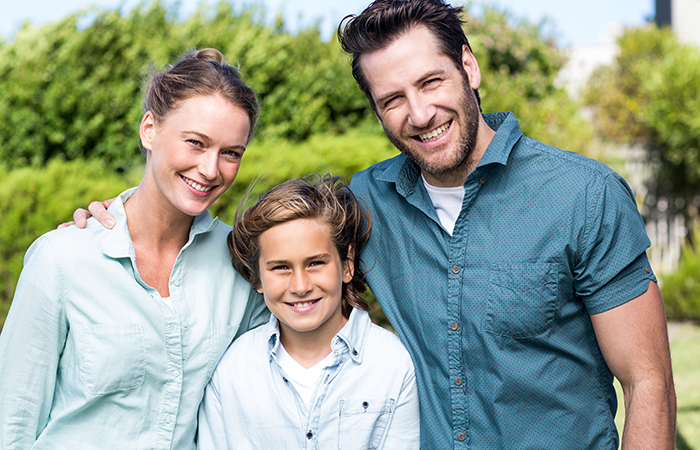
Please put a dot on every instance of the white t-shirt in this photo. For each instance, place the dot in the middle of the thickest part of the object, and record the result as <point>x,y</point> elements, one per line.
<point>303,379</point>
<point>447,202</point>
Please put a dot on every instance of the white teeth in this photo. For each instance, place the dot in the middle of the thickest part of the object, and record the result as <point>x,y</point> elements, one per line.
<point>436,133</point>
<point>197,186</point>
<point>302,304</point>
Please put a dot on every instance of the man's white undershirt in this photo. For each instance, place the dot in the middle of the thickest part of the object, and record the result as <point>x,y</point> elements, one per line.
<point>447,202</point>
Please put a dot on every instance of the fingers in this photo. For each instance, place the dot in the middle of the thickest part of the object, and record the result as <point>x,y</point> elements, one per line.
<point>66,224</point>
<point>80,217</point>
<point>99,211</point>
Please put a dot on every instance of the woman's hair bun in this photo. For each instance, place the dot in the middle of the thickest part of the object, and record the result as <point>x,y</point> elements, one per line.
<point>210,54</point>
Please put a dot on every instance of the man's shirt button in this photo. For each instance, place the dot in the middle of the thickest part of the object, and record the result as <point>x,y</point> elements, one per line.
<point>458,381</point>
<point>454,326</point>
<point>455,270</point>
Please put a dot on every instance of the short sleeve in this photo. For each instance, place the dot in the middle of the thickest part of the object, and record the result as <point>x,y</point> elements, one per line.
<point>612,268</point>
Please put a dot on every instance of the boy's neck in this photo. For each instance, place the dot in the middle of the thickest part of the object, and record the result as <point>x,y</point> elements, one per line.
<point>309,347</point>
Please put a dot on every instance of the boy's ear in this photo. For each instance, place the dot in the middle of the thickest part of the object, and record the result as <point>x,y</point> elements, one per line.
<point>349,265</point>
<point>259,289</point>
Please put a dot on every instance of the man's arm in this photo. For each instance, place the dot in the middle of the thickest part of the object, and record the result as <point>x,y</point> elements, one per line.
<point>634,340</point>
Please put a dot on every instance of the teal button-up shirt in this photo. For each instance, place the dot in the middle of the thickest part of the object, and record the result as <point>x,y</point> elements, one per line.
<point>496,316</point>
<point>92,358</point>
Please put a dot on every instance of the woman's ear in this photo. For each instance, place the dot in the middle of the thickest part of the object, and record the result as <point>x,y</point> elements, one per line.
<point>147,130</point>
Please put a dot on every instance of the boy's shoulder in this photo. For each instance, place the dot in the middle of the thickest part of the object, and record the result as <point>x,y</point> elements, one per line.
<point>386,347</point>
<point>249,349</point>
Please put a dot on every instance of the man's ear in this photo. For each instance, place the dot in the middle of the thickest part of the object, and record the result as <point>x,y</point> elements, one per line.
<point>349,265</point>
<point>471,67</point>
<point>147,130</point>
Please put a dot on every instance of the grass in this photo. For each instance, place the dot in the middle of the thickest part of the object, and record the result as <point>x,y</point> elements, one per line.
<point>685,352</point>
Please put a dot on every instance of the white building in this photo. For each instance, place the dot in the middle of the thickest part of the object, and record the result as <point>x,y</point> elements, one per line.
<point>682,16</point>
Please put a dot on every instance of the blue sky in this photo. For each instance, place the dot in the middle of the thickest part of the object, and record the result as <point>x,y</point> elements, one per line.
<point>575,22</point>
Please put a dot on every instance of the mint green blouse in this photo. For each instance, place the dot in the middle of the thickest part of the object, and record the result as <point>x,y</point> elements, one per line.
<point>92,357</point>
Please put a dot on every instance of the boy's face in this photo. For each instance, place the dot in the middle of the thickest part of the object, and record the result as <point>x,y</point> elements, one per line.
<point>302,277</point>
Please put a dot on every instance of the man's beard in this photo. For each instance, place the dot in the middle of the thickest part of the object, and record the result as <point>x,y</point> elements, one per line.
<point>467,118</point>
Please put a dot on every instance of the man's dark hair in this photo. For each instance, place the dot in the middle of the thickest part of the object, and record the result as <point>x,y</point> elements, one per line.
<point>384,21</point>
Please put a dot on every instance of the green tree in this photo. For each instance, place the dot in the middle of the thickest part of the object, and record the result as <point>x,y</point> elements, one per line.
<point>520,62</point>
<point>649,96</point>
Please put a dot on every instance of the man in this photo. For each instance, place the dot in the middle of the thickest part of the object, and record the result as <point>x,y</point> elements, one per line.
<point>515,273</point>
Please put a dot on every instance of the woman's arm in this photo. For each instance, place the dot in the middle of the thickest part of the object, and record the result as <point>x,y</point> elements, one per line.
<point>30,346</point>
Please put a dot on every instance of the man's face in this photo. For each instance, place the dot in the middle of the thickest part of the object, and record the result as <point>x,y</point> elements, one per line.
<point>425,103</point>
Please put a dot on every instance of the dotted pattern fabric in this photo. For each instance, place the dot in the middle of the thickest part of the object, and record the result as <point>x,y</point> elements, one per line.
<point>496,316</point>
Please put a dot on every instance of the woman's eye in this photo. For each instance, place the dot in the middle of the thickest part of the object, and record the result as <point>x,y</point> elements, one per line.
<point>232,153</point>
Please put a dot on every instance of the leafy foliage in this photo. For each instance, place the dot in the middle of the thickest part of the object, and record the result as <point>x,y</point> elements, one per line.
<point>74,92</point>
<point>681,289</point>
<point>649,96</point>
<point>519,65</point>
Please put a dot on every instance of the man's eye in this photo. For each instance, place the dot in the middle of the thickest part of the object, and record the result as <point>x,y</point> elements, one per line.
<point>195,142</point>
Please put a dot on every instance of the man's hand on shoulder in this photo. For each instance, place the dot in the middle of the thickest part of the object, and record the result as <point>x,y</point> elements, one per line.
<point>98,210</point>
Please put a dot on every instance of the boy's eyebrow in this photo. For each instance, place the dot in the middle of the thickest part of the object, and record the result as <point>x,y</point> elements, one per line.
<point>274,262</point>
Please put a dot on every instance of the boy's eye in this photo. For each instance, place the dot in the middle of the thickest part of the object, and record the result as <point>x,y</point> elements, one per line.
<point>280,267</point>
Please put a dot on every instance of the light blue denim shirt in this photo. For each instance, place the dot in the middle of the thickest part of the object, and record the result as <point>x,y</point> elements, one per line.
<point>496,315</point>
<point>365,399</point>
<point>92,358</point>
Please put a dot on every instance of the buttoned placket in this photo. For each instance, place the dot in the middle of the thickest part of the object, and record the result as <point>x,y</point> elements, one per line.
<point>173,329</point>
<point>314,411</point>
<point>459,380</point>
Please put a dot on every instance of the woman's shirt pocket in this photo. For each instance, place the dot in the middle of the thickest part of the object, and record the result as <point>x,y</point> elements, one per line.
<point>112,358</point>
<point>363,423</point>
<point>522,299</point>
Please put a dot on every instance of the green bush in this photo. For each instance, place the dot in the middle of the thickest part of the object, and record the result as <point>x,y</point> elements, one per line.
<point>681,289</point>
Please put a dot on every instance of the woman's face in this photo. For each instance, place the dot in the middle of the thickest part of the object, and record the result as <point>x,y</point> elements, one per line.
<point>195,151</point>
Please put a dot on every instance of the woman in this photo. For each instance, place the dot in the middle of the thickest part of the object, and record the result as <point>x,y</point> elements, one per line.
<point>127,368</point>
